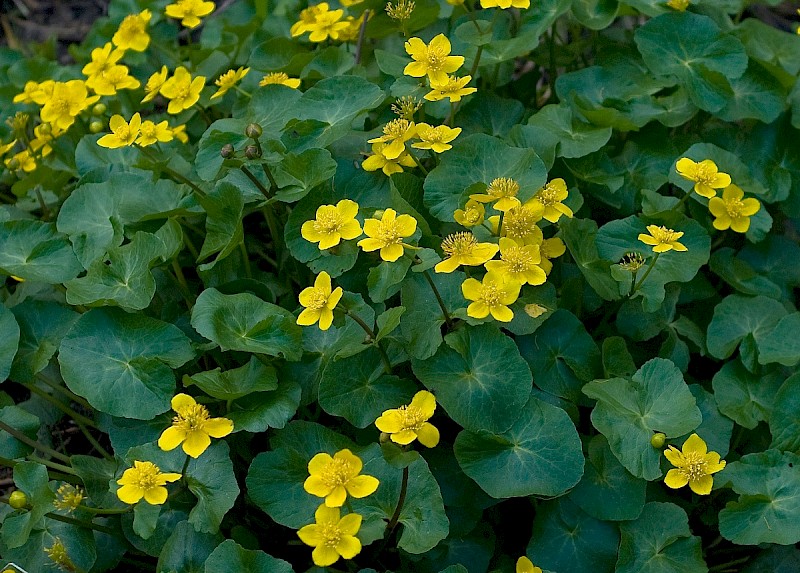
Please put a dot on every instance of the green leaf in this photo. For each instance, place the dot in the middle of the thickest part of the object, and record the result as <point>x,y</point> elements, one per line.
<point>245,322</point>
<point>228,131</point>
<point>659,541</point>
<point>122,363</point>
<point>781,344</point>
<point>230,557</point>
<point>297,174</point>
<point>607,491</point>
<point>745,397</point>
<point>738,273</point>
<point>740,319</point>
<point>479,158</point>
<point>388,321</point>
<point>756,95</point>
<point>561,355</point>
<point>655,399</point>
<point>480,113</point>
<point>145,519</point>
<point>272,107</point>
<point>693,49</point>
<point>94,214</point>
<point>776,559</point>
<point>79,543</point>
<point>186,550</point>
<point>572,137</point>
<point>769,45</point>
<point>35,251</point>
<point>420,326</point>
<point>769,501</point>
<point>619,237</point>
<point>784,424</point>
<point>384,280</point>
<point>715,429</point>
<point>262,410</point>
<point>579,236</point>
<point>33,480</point>
<point>224,207</point>
<point>565,538</point>
<point>42,325</point>
<point>20,420</point>
<point>478,377</point>
<point>595,14</point>
<point>255,376</point>
<point>9,341</point>
<point>540,454</point>
<point>358,389</point>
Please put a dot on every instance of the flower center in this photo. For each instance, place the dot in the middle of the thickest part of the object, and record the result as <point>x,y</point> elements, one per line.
<point>276,78</point>
<point>436,58</point>
<point>337,472</point>
<point>431,135</point>
<point>462,243</point>
<point>131,27</point>
<point>519,260</point>
<point>472,215</point>
<point>491,294</point>
<point>664,235</point>
<point>331,534</point>
<point>148,130</point>
<point>548,195</point>
<point>503,187</point>
<point>734,207</point>
<point>318,301</point>
<point>146,476</point>
<point>518,222</point>
<point>411,417</point>
<point>328,222</point>
<point>387,232</point>
<point>694,466</point>
<point>123,132</point>
<point>116,75</point>
<point>61,104</point>
<point>397,128</point>
<point>191,417</point>
<point>705,173</point>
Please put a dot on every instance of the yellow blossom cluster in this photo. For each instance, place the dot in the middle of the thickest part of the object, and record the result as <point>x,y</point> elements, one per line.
<point>321,23</point>
<point>434,61</point>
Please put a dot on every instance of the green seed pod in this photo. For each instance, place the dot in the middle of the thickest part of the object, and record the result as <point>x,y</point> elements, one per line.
<point>96,126</point>
<point>658,440</point>
<point>227,151</point>
<point>18,499</point>
<point>253,131</point>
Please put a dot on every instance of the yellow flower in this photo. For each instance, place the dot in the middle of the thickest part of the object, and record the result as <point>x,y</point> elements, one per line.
<point>451,87</point>
<point>389,166</point>
<point>179,133</point>
<point>331,537</point>
<point>493,295</point>
<point>182,91</point>
<point>103,59</point>
<point>189,11</point>
<point>58,554</point>
<point>22,160</point>
<point>705,174</point>
<point>680,5</point>
<point>520,223</point>
<point>227,80</point>
<point>112,80</point>
<point>43,134</point>
<point>68,498</point>
<point>387,234</point>
<point>319,302</point>
<point>335,477</point>
<point>66,101</point>
<point>503,190</point>
<point>395,135</point>
<point>550,197</point>
<point>433,60</point>
<point>436,138</point>
<point>122,133</point>
<point>332,224</point>
<point>524,565</point>
<point>408,423</point>
<point>472,214</point>
<point>7,147</point>
<point>550,249</point>
<point>35,92</point>
<point>307,19</point>
<point>694,465</point>
<point>327,24</point>
<point>150,132</point>
<point>350,34</point>
<point>662,239</point>
<point>192,427</point>
<point>144,480</point>
<point>504,4</point>
<point>132,32</point>
<point>732,211</point>
<point>280,78</point>
<point>464,249</point>
<point>519,262</point>
<point>154,84</point>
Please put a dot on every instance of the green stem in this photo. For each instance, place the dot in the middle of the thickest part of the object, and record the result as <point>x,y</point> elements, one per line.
<point>247,270</point>
<point>371,333</point>
<point>184,468</point>
<point>71,478</point>
<point>255,181</point>
<point>401,500</point>
<point>33,443</point>
<point>500,224</point>
<point>52,465</point>
<point>181,280</point>
<point>277,236</point>
<point>553,72</point>
<point>362,33</point>
<point>682,201</point>
<point>447,319</point>
<point>68,394</point>
<point>416,160</point>
<point>646,274</point>
<point>101,511</point>
<point>245,93</point>
<point>724,566</point>
<point>61,406</point>
<point>79,523</point>
<point>173,173</point>
<point>273,185</point>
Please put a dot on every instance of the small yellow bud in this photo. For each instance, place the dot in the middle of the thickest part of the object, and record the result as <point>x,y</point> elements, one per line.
<point>99,109</point>
<point>658,440</point>
<point>18,499</point>
<point>96,126</point>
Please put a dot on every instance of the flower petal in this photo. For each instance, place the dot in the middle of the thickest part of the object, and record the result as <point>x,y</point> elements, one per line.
<point>130,494</point>
<point>428,435</point>
<point>362,486</point>
<point>324,555</point>
<point>694,444</point>
<point>310,535</point>
<point>156,495</point>
<point>702,485</point>
<point>348,546</point>
<point>390,421</point>
<point>196,443</point>
<point>171,438</point>
<point>350,524</point>
<point>182,401</point>
<point>336,497</point>
<point>425,402</point>
<point>218,427</point>
<point>675,479</point>
<point>315,485</point>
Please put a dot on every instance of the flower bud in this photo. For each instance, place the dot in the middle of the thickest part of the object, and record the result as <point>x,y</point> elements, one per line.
<point>252,152</point>
<point>253,131</point>
<point>378,214</point>
<point>45,129</point>
<point>384,437</point>
<point>96,126</point>
<point>99,109</point>
<point>658,440</point>
<point>18,499</point>
<point>227,151</point>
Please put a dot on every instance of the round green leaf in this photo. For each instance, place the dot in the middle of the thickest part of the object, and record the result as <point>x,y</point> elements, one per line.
<point>659,541</point>
<point>693,49</point>
<point>478,377</point>
<point>784,422</point>
<point>230,557</point>
<point>781,343</point>
<point>742,319</point>
<point>769,501</point>
<point>259,411</point>
<point>255,376</point>
<point>746,398</point>
<point>655,399</point>
<point>35,251</point>
<point>247,323</point>
<point>42,325</point>
<point>9,341</point>
<point>539,455</point>
<point>358,389</point>
<point>479,158</point>
<point>20,420</point>
<point>122,363</point>
<point>572,137</point>
<point>186,549</point>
